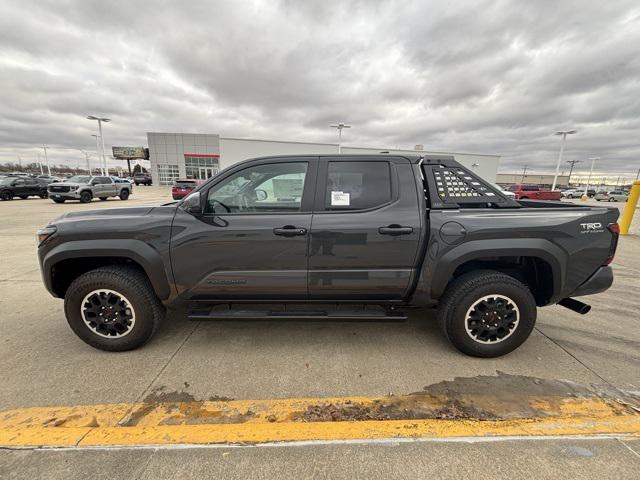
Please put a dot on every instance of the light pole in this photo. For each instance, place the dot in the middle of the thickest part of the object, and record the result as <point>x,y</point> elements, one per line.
<point>101,169</point>
<point>46,159</point>
<point>40,163</point>
<point>564,134</point>
<point>340,126</point>
<point>524,172</point>
<point>86,156</point>
<point>100,120</point>
<point>586,188</point>
<point>572,163</point>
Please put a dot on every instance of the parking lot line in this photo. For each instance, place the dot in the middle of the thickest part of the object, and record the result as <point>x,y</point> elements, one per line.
<point>315,419</point>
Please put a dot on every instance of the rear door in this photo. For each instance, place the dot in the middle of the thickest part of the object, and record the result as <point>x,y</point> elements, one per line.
<point>366,229</point>
<point>251,241</point>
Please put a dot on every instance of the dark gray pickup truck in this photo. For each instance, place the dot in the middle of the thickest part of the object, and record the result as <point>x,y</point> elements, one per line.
<point>331,237</point>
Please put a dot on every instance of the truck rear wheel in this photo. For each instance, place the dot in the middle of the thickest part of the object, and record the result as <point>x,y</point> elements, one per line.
<point>487,313</point>
<point>124,194</point>
<point>113,308</point>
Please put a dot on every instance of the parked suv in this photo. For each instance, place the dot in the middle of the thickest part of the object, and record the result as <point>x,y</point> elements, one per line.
<point>329,237</point>
<point>22,187</point>
<point>181,188</point>
<point>613,196</point>
<point>85,188</point>
<point>142,179</point>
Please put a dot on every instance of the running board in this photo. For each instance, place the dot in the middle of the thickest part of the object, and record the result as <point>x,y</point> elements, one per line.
<point>230,312</point>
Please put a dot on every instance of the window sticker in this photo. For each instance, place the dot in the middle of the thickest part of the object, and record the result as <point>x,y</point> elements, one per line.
<point>340,199</point>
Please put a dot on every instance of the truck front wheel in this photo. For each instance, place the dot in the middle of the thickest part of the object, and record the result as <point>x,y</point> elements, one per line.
<point>113,308</point>
<point>487,313</point>
<point>85,197</point>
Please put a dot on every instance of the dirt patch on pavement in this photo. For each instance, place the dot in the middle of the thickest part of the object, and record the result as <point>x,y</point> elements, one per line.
<point>392,408</point>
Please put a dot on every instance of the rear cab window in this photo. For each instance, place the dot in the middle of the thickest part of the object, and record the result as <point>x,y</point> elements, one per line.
<point>357,185</point>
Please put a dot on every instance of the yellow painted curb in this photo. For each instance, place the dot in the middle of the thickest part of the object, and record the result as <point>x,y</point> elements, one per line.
<point>308,419</point>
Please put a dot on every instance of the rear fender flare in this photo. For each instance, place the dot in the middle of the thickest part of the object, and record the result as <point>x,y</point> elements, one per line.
<point>552,254</point>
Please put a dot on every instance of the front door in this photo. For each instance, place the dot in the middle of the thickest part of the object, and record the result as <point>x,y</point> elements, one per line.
<point>366,229</point>
<point>251,240</point>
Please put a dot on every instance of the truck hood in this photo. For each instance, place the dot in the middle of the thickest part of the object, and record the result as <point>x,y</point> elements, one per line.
<point>70,184</point>
<point>137,211</point>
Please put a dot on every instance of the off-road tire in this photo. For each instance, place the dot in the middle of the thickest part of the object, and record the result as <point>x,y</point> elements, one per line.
<point>465,291</point>
<point>85,197</point>
<point>124,194</point>
<point>6,195</point>
<point>127,281</point>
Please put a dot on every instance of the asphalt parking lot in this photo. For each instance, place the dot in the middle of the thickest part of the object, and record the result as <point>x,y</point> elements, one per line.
<point>44,364</point>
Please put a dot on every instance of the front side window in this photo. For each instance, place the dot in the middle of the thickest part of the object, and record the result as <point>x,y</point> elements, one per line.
<point>357,185</point>
<point>270,188</point>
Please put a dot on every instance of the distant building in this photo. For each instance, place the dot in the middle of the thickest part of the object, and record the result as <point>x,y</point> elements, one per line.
<point>543,180</point>
<point>200,156</point>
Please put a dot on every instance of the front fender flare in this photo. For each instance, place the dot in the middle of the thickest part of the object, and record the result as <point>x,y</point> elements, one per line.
<point>141,253</point>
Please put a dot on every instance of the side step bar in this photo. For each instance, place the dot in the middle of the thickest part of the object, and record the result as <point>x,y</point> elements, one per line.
<point>229,312</point>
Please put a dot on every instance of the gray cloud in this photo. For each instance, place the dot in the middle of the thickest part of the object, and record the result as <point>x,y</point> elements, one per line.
<point>487,76</point>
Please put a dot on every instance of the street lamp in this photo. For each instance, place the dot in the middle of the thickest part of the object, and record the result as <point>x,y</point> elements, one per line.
<point>564,134</point>
<point>46,159</point>
<point>340,126</point>
<point>100,120</point>
<point>101,167</point>
<point>593,160</point>
<point>87,157</point>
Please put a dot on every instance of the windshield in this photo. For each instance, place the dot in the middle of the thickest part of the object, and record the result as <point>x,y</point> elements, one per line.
<point>78,179</point>
<point>6,180</point>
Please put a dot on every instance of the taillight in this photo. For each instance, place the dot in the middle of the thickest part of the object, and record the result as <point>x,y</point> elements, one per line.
<point>614,228</point>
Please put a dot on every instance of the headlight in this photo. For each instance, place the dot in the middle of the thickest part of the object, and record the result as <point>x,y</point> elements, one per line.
<point>44,233</point>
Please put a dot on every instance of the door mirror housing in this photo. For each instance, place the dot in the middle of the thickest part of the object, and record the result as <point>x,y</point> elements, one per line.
<point>192,204</point>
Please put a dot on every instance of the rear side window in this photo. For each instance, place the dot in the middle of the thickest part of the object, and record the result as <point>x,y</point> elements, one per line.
<point>357,185</point>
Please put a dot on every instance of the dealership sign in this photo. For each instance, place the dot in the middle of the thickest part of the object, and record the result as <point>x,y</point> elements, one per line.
<point>129,152</point>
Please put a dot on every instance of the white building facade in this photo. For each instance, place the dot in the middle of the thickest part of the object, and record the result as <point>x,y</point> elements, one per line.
<point>200,156</point>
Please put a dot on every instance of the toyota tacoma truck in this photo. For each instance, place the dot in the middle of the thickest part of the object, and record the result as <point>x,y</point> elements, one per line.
<point>331,237</point>
<point>85,188</point>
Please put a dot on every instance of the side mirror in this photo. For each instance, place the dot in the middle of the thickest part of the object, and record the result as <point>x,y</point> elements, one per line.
<point>192,204</point>
<point>261,195</point>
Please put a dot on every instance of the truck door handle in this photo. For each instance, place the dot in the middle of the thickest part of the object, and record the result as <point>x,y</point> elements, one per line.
<point>289,231</point>
<point>395,229</point>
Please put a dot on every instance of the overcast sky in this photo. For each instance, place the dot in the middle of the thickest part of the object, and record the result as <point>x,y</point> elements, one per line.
<point>482,76</point>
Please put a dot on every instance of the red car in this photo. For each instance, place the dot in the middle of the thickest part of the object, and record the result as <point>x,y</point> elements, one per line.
<point>182,188</point>
<point>533,192</point>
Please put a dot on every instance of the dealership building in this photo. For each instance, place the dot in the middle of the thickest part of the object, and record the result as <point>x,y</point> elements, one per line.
<point>200,156</point>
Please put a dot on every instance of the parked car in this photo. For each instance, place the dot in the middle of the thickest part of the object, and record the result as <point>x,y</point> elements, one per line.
<point>506,193</point>
<point>48,179</point>
<point>571,193</point>
<point>142,179</point>
<point>181,188</point>
<point>85,188</point>
<point>340,236</point>
<point>613,196</point>
<point>22,187</point>
<point>533,192</point>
